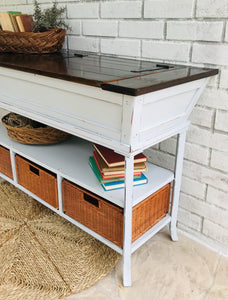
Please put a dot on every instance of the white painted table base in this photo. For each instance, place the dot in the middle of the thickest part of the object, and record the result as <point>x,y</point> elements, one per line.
<point>129,166</point>
<point>134,124</point>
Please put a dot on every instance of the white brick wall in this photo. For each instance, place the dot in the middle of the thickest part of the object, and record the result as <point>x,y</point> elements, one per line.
<point>193,32</point>
<point>121,9</point>
<point>219,160</point>
<point>224,79</point>
<point>226,37</point>
<point>166,50</point>
<point>210,54</point>
<point>197,31</point>
<point>83,10</point>
<point>168,8</point>
<point>221,121</point>
<point>145,29</point>
<point>121,47</point>
<point>100,28</point>
<point>212,8</point>
<point>217,197</point>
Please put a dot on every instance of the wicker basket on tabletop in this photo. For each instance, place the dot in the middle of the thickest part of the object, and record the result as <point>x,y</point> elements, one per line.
<point>49,41</point>
<point>40,135</point>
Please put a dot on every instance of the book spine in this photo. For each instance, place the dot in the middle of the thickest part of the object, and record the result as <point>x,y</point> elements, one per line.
<point>20,24</point>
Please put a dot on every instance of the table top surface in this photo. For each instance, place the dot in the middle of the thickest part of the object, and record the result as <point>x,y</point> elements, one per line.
<point>120,75</point>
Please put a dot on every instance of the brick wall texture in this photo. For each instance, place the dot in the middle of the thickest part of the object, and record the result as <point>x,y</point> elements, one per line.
<point>193,32</point>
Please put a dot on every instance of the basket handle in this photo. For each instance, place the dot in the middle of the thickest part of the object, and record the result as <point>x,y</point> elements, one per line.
<point>92,200</point>
<point>34,170</point>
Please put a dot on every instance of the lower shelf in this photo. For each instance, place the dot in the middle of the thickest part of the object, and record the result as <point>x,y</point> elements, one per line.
<point>70,161</point>
<point>135,245</point>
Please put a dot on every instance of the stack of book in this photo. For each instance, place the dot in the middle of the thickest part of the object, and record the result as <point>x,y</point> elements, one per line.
<point>16,22</point>
<point>109,168</point>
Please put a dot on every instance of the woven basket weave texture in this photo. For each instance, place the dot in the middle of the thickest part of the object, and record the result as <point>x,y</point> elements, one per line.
<point>35,136</point>
<point>107,219</point>
<point>32,42</point>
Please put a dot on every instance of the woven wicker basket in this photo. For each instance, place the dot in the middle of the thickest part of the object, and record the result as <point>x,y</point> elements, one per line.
<point>35,136</point>
<point>31,42</point>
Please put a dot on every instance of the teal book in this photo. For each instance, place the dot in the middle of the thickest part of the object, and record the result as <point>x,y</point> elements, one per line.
<point>120,184</point>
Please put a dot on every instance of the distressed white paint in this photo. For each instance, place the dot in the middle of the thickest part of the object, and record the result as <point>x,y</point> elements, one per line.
<point>132,122</point>
<point>135,124</point>
<point>177,183</point>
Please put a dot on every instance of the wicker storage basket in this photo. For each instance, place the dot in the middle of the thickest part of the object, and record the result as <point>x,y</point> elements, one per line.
<point>35,136</point>
<point>32,42</point>
<point>37,180</point>
<point>106,218</point>
<point>5,162</point>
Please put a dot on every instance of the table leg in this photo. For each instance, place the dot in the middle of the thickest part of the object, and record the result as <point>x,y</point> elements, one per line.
<point>177,183</point>
<point>128,199</point>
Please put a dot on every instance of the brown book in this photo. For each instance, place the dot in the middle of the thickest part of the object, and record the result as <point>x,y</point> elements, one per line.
<point>5,21</point>
<point>113,159</point>
<point>138,167</point>
<point>141,167</point>
<point>108,175</point>
<point>25,23</point>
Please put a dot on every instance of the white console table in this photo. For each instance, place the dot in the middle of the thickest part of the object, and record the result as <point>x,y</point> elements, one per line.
<point>126,105</point>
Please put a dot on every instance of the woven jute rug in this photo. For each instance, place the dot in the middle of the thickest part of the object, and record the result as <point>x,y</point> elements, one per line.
<point>43,256</point>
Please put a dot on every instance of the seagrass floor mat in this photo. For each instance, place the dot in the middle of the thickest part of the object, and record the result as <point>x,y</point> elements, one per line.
<point>43,256</point>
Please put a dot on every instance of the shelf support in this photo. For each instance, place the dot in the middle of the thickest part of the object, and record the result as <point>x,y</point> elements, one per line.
<point>177,183</point>
<point>127,237</point>
<point>59,187</point>
<point>13,165</point>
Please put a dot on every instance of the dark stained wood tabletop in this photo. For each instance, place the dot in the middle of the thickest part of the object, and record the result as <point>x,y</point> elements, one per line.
<point>120,75</point>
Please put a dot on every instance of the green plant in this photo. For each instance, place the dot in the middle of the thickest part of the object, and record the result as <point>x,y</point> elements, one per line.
<point>49,18</point>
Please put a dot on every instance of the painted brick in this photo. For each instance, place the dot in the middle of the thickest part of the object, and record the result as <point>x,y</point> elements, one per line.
<point>226,36</point>
<point>213,81</point>
<point>169,146</point>
<point>120,47</point>
<point>84,44</point>
<point>204,209</point>
<point>205,137</point>
<point>196,153</point>
<point>168,8</point>
<point>219,160</point>
<point>166,50</point>
<point>212,8</point>
<point>224,79</point>
<point>75,26</point>
<point>197,31</point>
<point>221,121</point>
<point>27,9</point>
<point>192,220</point>
<point>46,1</point>
<point>215,98</point>
<point>192,152</point>
<point>215,231</point>
<point>217,197</point>
<point>202,116</point>
<point>85,10</point>
<point>160,158</point>
<point>206,175</point>
<point>193,187</point>
<point>100,28</point>
<point>121,9</point>
<point>210,54</point>
<point>138,29</point>
<point>13,2</point>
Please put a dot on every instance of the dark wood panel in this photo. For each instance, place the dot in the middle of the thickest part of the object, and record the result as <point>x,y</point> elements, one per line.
<point>127,76</point>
